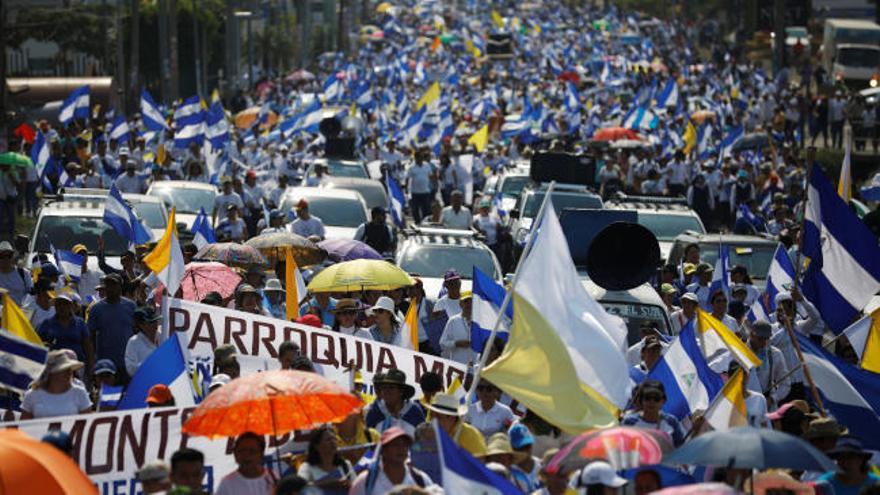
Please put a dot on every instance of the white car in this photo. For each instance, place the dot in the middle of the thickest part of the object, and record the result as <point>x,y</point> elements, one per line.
<point>341,210</point>
<point>187,197</point>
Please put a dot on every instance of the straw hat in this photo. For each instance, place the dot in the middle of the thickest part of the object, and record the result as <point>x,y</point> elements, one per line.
<point>60,361</point>
<point>499,443</point>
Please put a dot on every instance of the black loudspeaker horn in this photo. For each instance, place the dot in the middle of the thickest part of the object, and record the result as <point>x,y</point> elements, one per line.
<point>330,127</point>
<point>623,256</point>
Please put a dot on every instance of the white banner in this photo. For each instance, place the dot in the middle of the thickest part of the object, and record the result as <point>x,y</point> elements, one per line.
<point>257,338</point>
<point>110,446</point>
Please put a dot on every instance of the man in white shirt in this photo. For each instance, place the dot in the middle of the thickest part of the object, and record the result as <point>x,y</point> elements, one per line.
<point>88,279</point>
<point>455,216</point>
<point>277,194</point>
<point>701,286</point>
<point>104,164</point>
<point>770,379</point>
<point>810,322</point>
<point>449,304</point>
<point>677,175</point>
<point>455,342</point>
<point>251,477</point>
<point>421,178</point>
<point>394,468</point>
<point>145,341</point>
<point>305,224</point>
<point>130,182</point>
<point>229,197</point>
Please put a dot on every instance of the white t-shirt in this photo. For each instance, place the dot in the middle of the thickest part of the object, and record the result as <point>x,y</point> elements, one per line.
<point>496,419</point>
<point>452,307</point>
<point>236,484</point>
<point>306,228</point>
<point>452,220</point>
<point>132,185</point>
<point>420,178</point>
<point>43,404</point>
<point>224,200</point>
<point>456,329</point>
<point>37,314</point>
<point>489,225</point>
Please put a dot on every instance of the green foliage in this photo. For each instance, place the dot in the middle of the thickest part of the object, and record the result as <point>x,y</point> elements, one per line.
<point>81,28</point>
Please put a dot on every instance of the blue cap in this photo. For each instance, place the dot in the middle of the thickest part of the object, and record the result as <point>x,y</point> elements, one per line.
<point>48,270</point>
<point>105,366</point>
<point>520,436</point>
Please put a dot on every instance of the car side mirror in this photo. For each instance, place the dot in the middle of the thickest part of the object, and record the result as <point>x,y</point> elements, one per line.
<point>514,213</point>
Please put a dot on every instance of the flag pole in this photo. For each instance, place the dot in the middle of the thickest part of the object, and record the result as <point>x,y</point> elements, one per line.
<point>811,157</point>
<point>786,321</point>
<point>484,356</point>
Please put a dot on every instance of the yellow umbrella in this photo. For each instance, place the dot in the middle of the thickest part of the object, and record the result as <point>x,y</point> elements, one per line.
<point>350,276</point>
<point>245,118</point>
<point>383,7</point>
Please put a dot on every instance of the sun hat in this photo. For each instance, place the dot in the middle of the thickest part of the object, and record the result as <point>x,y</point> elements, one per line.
<point>600,473</point>
<point>499,444</point>
<point>59,361</point>
<point>825,427</point>
<point>246,289</point>
<point>273,285</point>
<point>392,434</point>
<point>146,314</point>
<point>384,303</point>
<point>346,304</point>
<point>848,445</point>
<point>395,378</point>
<point>447,404</point>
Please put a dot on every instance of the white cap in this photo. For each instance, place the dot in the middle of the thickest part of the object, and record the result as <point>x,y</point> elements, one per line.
<point>781,297</point>
<point>600,473</point>
<point>385,303</point>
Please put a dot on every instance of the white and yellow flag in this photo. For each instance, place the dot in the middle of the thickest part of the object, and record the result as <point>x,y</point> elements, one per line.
<point>166,259</point>
<point>728,410</point>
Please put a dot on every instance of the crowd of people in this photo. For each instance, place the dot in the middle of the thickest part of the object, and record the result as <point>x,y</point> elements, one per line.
<point>573,71</point>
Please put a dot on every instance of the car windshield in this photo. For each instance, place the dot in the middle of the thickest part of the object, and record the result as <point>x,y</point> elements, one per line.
<point>186,200</point>
<point>346,169</point>
<point>152,214</point>
<point>668,227</point>
<point>858,57</point>
<point>64,232</point>
<point>756,258</point>
<point>334,212</point>
<point>561,201</point>
<point>635,315</point>
<point>432,261</point>
<point>796,32</point>
<point>512,185</point>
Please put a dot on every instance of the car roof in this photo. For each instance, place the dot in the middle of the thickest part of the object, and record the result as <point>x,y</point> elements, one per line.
<point>444,237</point>
<point>353,181</point>
<point>311,192</point>
<point>89,195</point>
<point>644,294</point>
<point>182,184</point>
<point>77,207</point>
<point>715,238</point>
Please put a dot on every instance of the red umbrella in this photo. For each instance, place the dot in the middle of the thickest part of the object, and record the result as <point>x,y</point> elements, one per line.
<point>203,277</point>
<point>569,75</point>
<point>615,133</point>
<point>623,447</point>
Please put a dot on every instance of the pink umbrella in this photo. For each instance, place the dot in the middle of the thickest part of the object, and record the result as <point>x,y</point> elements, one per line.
<point>201,277</point>
<point>699,489</point>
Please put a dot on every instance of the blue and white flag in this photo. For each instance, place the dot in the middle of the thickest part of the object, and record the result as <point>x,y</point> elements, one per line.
<point>727,143</point>
<point>689,382</point>
<point>40,151</point>
<point>68,263</point>
<point>486,302</point>
<point>152,117</point>
<point>640,118</point>
<point>463,473</point>
<point>120,216</point>
<point>201,229</point>
<point>668,95</point>
<point>779,278</point>
<point>189,123</point>
<point>167,366</point>
<point>363,95</point>
<point>871,192</point>
<point>396,201</point>
<point>333,88</point>
<point>76,106</point>
<point>21,362</point>
<point>310,119</point>
<point>120,130</point>
<point>851,394</point>
<point>704,141</point>
<point>216,127</point>
<point>844,269</point>
<point>110,396</point>
<point>720,276</point>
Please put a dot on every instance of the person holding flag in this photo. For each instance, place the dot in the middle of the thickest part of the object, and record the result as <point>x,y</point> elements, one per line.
<point>456,339</point>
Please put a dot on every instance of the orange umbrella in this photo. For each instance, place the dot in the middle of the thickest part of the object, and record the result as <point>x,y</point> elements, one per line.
<point>245,118</point>
<point>701,116</point>
<point>615,133</point>
<point>271,402</point>
<point>29,466</point>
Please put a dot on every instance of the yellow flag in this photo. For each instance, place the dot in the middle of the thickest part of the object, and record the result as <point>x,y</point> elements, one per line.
<point>728,410</point>
<point>469,45</point>
<point>430,96</point>
<point>844,185</point>
<point>715,336</point>
<point>215,95</point>
<point>497,19</point>
<point>411,322</point>
<point>295,285</point>
<point>14,320</point>
<point>690,137</point>
<point>166,259</point>
<point>537,370</point>
<point>480,139</point>
<point>871,354</point>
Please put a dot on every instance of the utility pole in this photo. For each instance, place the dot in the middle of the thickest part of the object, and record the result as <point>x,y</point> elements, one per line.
<point>172,38</point>
<point>779,32</point>
<point>164,58</point>
<point>121,84</point>
<point>197,53</point>
<point>134,80</point>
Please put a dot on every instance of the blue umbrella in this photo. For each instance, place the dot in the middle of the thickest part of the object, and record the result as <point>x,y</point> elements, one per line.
<point>348,249</point>
<point>751,448</point>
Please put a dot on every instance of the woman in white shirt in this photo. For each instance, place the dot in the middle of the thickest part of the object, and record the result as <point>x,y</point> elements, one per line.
<point>324,467</point>
<point>344,323</point>
<point>455,343</point>
<point>54,393</point>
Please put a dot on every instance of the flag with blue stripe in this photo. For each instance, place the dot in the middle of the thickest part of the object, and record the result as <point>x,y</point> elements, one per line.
<point>668,95</point>
<point>396,201</point>
<point>76,106</point>
<point>844,268</point>
<point>120,130</point>
<point>727,143</point>
<point>166,365</point>
<point>21,362</point>
<point>216,127</point>
<point>689,382</point>
<point>720,276</point>
<point>333,88</point>
<point>110,396</point>
<point>189,123</point>
<point>779,277</point>
<point>120,216</point>
<point>486,302</point>
<point>201,229</point>
<point>40,151</point>
<point>151,115</point>
<point>68,263</point>
<point>463,473</point>
<point>851,394</point>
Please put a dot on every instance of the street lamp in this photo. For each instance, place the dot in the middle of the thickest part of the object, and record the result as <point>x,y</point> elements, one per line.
<point>248,15</point>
